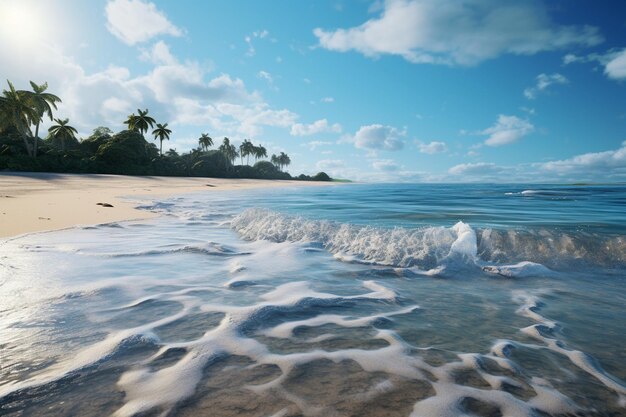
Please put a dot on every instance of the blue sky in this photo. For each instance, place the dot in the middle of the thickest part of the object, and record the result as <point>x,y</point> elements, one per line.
<point>396,90</point>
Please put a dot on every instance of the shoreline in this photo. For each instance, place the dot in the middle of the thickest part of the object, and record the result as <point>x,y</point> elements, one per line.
<point>39,202</point>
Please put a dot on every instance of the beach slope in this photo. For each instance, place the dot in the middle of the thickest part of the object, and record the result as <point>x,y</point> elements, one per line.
<point>33,202</point>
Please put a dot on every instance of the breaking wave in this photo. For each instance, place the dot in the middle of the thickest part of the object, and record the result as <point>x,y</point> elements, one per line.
<point>430,247</point>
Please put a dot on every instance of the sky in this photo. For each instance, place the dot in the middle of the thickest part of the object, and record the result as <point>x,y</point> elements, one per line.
<point>385,91</point>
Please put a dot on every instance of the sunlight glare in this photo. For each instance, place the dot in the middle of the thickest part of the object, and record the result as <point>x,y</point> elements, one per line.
<point>22,24</point>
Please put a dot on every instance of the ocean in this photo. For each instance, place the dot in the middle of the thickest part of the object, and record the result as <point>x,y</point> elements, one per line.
<point>350,300</point>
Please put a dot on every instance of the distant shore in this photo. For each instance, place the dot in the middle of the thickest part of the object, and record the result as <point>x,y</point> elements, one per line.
<point>35,202</point>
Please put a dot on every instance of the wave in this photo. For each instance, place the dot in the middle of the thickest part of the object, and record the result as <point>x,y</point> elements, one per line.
<point>430,247</point>
<point>209,248</point>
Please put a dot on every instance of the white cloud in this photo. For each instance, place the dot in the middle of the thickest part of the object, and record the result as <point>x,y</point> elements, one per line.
<point>319,126</point>
<point>313,145</point>
<point>328,100</point>
<point>432,147</point>
<point>260,34</point>
<point>614,62</point>
<point>264,75</point>
<point>331,164</point>
<point>377,136</point>
<point>594,166</point>
<point>114,107</point>
<point>135,21</point>
<point>159,54</point>
<point>595,162</point>
<point>506,130</point>
<point>473,169</point>
<point>458,32</point>
<point>543,82</point>
<point>616,67</point>
<point>385,165</point>
<point>250,119</point>
<point>181,93</point>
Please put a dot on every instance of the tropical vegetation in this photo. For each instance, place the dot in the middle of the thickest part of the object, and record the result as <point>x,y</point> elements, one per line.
<point>126,152</point>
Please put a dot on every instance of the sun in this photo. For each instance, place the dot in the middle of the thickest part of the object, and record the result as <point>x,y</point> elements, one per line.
<point>22,23</point>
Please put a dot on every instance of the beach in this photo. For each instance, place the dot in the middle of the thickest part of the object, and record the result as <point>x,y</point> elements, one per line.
<point>35,202</point>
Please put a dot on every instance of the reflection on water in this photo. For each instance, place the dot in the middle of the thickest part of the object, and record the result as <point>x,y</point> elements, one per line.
<point>271,314</point>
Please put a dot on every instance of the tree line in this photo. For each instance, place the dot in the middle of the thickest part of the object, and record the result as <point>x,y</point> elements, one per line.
<point>125,152</point>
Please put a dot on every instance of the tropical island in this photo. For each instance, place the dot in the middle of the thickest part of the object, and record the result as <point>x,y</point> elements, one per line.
<point>124,153</point>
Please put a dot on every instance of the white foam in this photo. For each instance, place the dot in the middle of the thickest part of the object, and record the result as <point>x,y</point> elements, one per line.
<point>519,270</point>
<point>530,309</point>
<point>426,247</point>
<point>465,243</point>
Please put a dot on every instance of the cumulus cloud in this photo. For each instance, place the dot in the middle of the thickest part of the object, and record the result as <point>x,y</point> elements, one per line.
<point>159,54</point>
<point>328,100</point>
<point>136,21</point>
<point>613,61</point>
<point>319,126</point>
<point>458,32</point>
<point>330,164</point>
<point>613,161</point>
<point>594,166</point>
<point>181,93</point>
<point>543,82</point>
<point>616,67</point>
<point>378,137</point>
<point>385,165</point>
<point>479,169</point>
<point>432,147</point>
<point>506,130</point>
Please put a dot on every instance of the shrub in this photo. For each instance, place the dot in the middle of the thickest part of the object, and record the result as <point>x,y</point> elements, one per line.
<point>321,176</point>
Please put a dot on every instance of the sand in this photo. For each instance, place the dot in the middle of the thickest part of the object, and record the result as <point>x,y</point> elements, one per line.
<point>34,202</point>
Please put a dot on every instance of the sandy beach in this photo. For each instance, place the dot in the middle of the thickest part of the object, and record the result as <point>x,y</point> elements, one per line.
<point>33,202</point>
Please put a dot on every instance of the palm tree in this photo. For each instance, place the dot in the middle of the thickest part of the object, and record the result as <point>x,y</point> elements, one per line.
<point>205,141</point>
<point>43,103</point>
<point>16,111</point>
<point>285,161</point>
<point>131,121</point>
<point>245,149</point>
<point>161,133</point>
<point>259,152</point>
<point>281,160</point>
<point>62,131</point>
<point>230,151</point>
<point>140,123</point>
<point>143,122</point>
<point>249,147</point>
<point>274,160</point>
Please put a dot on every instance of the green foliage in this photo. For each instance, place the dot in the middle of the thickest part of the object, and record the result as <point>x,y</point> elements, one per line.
<point>69,143</point>
<point>126,152</point>
<point>99,136</point>
<point>267,170</point>
<point>321,176</point>
<point>211,164</point>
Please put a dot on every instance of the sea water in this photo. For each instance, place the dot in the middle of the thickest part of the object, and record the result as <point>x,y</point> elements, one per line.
<point>355,300</point>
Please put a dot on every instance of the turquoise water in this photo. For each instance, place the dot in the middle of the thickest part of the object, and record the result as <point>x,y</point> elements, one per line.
<point>368,300</point>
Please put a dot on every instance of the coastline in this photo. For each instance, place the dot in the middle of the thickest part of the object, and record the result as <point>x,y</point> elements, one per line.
<point>37,202</point>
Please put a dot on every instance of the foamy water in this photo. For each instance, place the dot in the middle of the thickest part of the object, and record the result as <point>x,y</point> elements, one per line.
<point>354,301</point>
